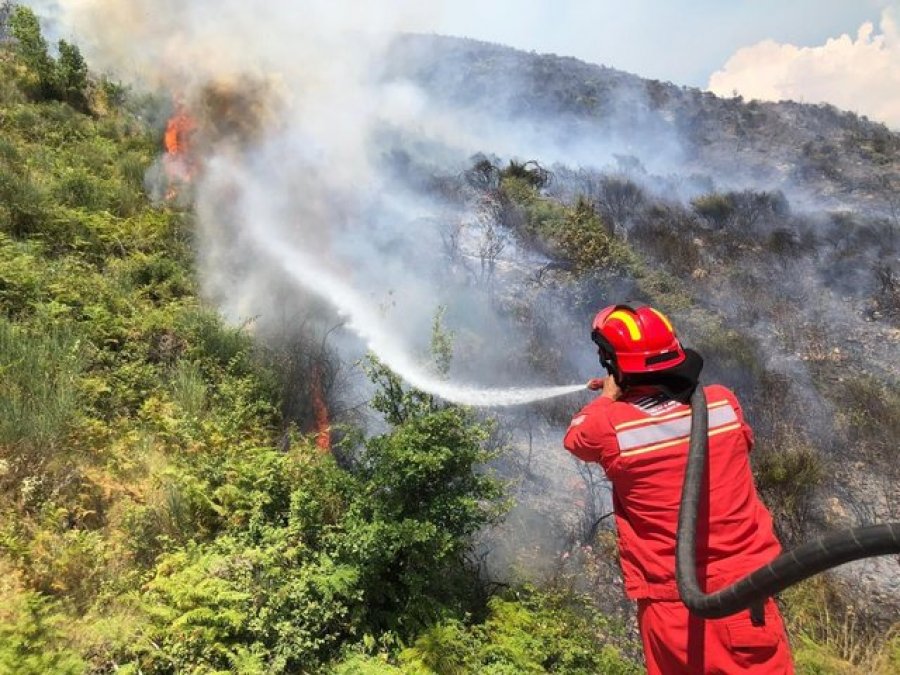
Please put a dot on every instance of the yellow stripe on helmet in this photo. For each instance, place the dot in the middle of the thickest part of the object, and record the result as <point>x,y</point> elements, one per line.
<point>633,330</point>
<point>663,318</point>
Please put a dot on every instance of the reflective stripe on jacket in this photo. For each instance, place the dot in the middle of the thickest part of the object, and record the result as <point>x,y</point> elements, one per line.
<point>641,441</point>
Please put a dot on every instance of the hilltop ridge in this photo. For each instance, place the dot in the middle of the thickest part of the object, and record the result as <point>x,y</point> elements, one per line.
<point>834,159</point>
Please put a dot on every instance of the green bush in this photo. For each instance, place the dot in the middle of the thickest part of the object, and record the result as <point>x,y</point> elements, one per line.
<point>788,470</point>
<point>31,632</point>
<point>525,633</point>
<point>831,635</point>
<point>30,46</point>
<point>577,233</point>
<point>24,204</point>
<point>717,209</point>
<point>310,557</point>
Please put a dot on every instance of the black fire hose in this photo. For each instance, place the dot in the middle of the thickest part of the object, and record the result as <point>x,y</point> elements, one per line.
<point>790,567</point>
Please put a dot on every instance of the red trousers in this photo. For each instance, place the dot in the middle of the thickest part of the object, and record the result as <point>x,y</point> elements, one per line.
<point>679,643</point>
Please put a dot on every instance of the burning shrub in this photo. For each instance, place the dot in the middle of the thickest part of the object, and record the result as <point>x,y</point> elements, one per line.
<point>350,553</point>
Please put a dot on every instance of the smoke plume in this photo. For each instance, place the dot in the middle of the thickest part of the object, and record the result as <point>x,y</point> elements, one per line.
<point>298,128</point>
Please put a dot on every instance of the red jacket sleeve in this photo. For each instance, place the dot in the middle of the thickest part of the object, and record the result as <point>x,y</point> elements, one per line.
<point>591,436</point>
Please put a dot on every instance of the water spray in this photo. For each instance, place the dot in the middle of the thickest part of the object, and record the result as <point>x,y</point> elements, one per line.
<point>368,326</point>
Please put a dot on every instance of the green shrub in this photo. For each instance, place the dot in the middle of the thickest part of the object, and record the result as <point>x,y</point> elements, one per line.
<point>832,635</point>
<point>577,233</point>
<point>21,277</point>
<point>25,207</point>
<point>31,49</point>
<point>717,209</point>
<point>525,633</point>
<point>31,632</point>
<point>788,470</point>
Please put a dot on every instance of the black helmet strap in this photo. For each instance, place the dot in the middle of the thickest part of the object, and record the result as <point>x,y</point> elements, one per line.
<point>606,353</point>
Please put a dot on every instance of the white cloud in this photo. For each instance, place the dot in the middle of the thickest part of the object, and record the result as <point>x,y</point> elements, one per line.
<point>861,74</point>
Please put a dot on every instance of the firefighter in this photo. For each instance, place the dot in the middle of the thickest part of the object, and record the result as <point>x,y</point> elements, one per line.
<point>637,430</point>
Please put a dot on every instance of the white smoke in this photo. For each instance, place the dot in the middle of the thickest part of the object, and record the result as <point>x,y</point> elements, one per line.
<point>861,74</point>
<point>300,193</point>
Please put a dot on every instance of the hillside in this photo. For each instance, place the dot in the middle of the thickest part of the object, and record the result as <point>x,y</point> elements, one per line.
<point>819,156</point>
<point>769,230</point>
<point>159,514</point>
<point>169,498</point>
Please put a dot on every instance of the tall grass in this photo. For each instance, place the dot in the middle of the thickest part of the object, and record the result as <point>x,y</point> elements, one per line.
<point>39,398</point>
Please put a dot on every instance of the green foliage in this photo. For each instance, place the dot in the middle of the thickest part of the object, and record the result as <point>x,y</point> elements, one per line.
<point>575,233</point>
<point>831,635</point>
<point>311,556</point>
<point>42,77</point>
<point>525,633</point>
<point>31,631</point>
<point>37,375</point>
<point>392,399</point>
<point>717,209</point>
<point>72,75</point>
<point>31,49</point>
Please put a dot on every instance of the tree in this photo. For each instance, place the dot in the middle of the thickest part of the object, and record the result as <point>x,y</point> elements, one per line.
<point>72,76</point>
<point>31,48</point>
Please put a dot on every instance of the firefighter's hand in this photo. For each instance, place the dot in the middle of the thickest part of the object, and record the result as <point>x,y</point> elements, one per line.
<point>611,389</point>
<point>595,384</point>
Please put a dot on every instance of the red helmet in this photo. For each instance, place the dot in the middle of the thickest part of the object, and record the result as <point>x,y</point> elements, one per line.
<point>635,339</point>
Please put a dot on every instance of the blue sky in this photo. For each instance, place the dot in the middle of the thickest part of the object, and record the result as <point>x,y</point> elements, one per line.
<point>683,41</point>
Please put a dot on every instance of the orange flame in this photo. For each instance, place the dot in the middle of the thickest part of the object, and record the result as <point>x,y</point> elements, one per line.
<point>180,168</point>
<point>320,411</point>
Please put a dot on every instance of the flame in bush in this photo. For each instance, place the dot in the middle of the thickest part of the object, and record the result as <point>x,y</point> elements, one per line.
<point>320,411</point>
<point>179,164</point>
<point>178,131</point>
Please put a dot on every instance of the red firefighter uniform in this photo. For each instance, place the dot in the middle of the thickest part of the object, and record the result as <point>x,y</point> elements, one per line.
<point>641,441</point>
